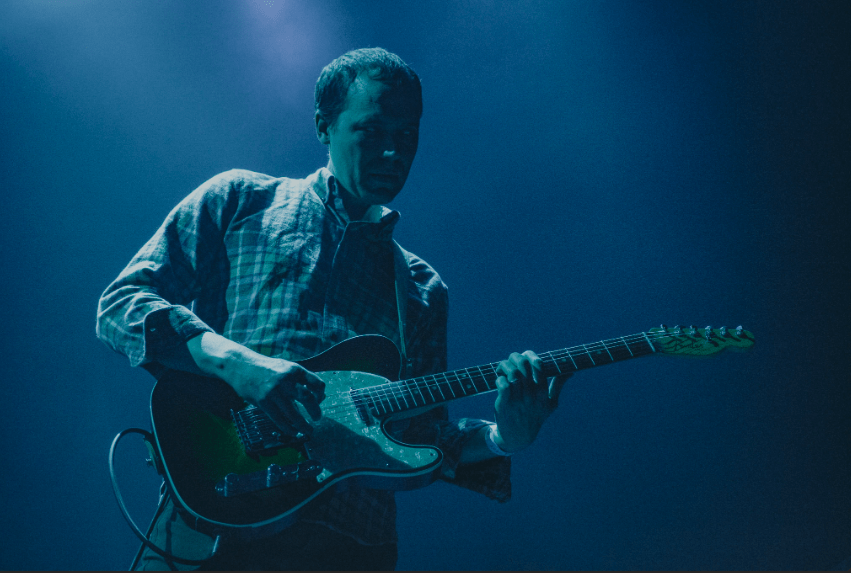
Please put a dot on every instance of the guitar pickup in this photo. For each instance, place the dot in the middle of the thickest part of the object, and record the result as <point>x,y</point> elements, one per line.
<point>275,475</point>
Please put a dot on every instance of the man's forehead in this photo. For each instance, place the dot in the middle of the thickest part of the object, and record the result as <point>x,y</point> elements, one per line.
<point>368,93</point>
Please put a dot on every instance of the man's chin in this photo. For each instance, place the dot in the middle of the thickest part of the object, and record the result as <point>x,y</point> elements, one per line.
<point>382,195</point>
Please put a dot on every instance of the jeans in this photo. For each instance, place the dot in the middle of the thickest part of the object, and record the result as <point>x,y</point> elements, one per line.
<point>304,546</point>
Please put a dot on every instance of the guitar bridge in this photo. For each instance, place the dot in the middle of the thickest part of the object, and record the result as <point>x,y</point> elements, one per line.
<point>258,433</point>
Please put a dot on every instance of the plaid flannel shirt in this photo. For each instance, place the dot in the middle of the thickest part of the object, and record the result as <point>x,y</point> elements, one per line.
<point>275,264</point>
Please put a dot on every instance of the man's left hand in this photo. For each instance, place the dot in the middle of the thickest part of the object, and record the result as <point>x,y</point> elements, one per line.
<point>526,399</point>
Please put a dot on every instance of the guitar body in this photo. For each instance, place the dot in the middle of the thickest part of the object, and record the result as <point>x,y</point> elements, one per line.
<point>218,480</point>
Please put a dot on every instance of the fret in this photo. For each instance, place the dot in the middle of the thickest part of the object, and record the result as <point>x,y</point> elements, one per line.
<point>448,383</point>
<point>489,377</point>
<point>388,397</point>
<point>589,355</point>
<point>599,354</point>
<point>492,381</point>
<point>583,360</point>
<point>555,363</point>
<point>465,379</point>
<point>412,394</point>
<point>619,351</point>
<point>385,401</point>
<point>427,387</point>
<point>569,355</point>
<point>459,386</point>
<point>603,342</point>
<point>382,402</point>
<point>466,382</point>
<point>397,391</point>
<point>455,385</point>
<point>374,404</point>
<point>451,388</point>
<point>627,346</point>
<point>442,395</point>
<point>433,400</point>
<point>407,384</point>
<point>395,395</point>
<point>473,380</point>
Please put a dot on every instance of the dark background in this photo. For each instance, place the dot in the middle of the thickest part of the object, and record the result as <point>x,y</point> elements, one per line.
<point>587,169</point>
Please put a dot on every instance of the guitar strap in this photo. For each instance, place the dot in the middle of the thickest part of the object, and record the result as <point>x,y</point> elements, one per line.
<point>402,275</point>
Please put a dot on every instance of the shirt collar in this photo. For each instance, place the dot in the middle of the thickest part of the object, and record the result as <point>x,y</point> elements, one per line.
<point>328,191</point>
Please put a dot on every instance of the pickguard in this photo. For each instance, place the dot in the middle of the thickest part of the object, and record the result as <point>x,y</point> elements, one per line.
<point>344,442</point>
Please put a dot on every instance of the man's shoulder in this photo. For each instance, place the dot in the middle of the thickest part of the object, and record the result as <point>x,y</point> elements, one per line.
<point>243,180</point>
<point>243,189</point>
<point>247,180</point>
<point>423,274</point>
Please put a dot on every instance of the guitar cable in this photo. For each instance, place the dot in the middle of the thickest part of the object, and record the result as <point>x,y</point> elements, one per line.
<point>149,438</point>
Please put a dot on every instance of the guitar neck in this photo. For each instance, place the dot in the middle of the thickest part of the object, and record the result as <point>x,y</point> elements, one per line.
<point>425,391</point>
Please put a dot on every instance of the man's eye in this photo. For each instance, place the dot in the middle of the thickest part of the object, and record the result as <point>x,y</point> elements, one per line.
<point>408,134</point>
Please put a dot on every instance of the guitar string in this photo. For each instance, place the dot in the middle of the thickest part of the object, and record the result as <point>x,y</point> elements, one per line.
<point>346,407</point>
<point>474,376</point>
<point>396,390</point>
<point>403,389</point>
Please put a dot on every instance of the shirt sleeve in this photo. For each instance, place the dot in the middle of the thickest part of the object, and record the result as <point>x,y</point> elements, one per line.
<point>145,312</point>
<point>492,477</point>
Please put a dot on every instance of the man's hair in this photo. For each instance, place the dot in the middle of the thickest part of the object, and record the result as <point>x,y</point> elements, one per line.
<point>336,78</point>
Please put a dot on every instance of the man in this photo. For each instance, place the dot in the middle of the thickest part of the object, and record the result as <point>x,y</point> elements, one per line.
<point>278,270</point>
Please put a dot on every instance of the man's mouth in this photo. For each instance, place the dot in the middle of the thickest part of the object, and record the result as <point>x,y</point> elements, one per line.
<point>390,180</point>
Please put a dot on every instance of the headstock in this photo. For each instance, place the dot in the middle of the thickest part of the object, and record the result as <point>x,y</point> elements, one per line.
<point>693,341</point>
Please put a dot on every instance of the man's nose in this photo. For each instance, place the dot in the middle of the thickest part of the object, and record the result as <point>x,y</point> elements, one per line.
<point>388,144</point>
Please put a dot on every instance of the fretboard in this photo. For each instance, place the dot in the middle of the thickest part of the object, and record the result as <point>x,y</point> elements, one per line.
<point>395,397</point>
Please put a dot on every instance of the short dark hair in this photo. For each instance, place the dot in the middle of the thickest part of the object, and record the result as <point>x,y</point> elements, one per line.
<point>336,78</point>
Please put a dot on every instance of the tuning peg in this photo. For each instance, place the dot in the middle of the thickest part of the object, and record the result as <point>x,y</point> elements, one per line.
<point>722,331</point>
<point>692,330</point>
<point>677,329</point>
<point>708,332</point>
<point>663,327</point>
<point>739,331</point>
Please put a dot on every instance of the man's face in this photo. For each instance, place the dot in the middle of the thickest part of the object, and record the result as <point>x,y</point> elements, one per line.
<point>373,141</point>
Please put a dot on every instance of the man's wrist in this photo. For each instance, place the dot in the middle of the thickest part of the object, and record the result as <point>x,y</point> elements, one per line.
<point>216,355</point>
<point>492,438</point>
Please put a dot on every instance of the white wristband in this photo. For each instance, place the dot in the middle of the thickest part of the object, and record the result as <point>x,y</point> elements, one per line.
<point>489,440</point>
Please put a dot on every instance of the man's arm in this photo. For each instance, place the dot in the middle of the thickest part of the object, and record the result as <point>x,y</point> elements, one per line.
<point>145,313</point>
<point>272,384</point>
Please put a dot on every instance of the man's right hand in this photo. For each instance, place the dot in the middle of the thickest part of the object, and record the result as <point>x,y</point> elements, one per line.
<point>272,384</point>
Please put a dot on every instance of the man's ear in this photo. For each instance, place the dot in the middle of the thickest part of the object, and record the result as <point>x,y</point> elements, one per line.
<point>322,127</point>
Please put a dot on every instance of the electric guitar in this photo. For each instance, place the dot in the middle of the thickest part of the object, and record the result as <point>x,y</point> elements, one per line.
<point>229,466</point>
